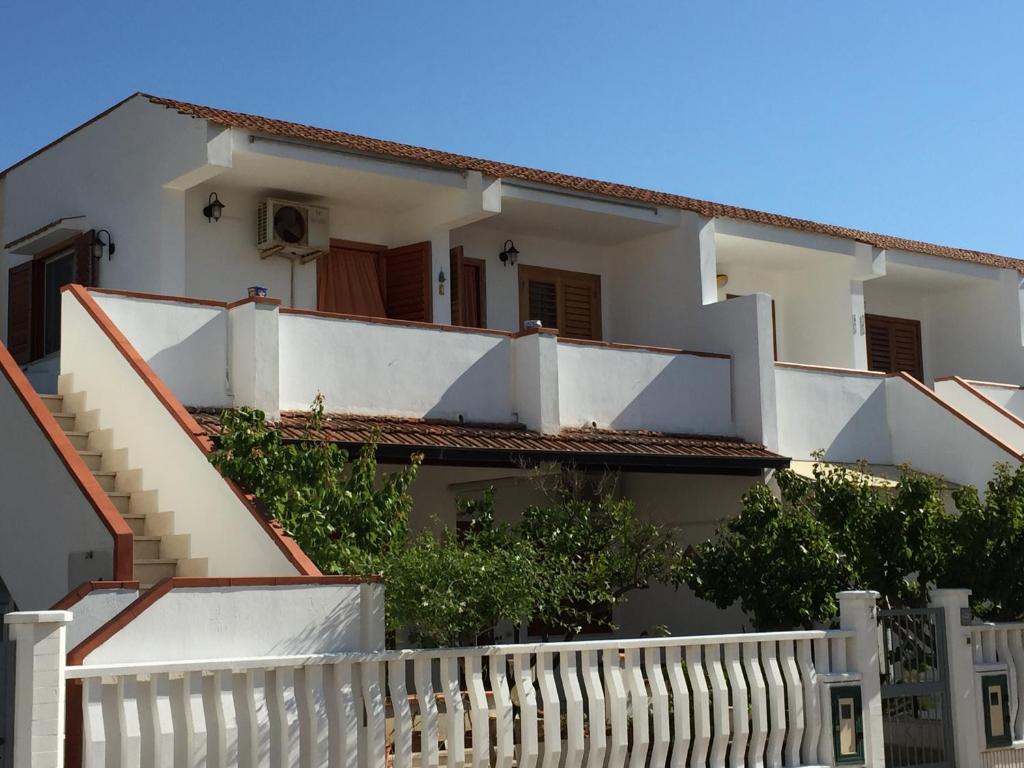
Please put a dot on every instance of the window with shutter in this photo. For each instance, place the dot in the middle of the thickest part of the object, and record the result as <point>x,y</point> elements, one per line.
<point>894,345</point>
<point>568,301</point>
<point>407,294</point>
<point>19,312</point>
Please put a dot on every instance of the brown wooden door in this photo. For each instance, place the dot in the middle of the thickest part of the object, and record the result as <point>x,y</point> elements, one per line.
<point>568,301</point>
<point>348,280</point>
<point>894,345</point>
<point>468,290</point>
<point>406,282</point>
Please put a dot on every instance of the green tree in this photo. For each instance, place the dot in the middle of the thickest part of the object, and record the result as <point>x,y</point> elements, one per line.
<point>454,588</point>
<point>341,512</point>
<point>592,554</point>
<point>784,557</point>
<point>986,551</point>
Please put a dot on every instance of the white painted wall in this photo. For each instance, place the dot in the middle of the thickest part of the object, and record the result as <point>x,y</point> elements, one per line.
<point>46,518</point>
<point>980,409</point>
<point>185,344</point>
<point>843,414</point>
<point>222,528</point>
<point>975,332</point>
<point>374,368</point>
<point>1010,398</point>
<point>936,441</point>
<point>242,621</point>
<point>120,173</point>
<point>221,257</point>
<point>640,389</point>
<point>95,609</point>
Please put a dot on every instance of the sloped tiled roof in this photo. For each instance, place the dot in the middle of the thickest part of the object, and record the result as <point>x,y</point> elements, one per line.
<point>449,441</point>
<point>351,141</point>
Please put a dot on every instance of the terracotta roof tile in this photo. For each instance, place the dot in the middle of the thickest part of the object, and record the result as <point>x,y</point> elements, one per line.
<point>586,444</point>
<point>272,127</point>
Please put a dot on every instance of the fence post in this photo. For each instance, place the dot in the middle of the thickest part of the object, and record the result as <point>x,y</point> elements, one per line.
<point>963,715</point>
<point>858,613</point>
<point>39,659</point>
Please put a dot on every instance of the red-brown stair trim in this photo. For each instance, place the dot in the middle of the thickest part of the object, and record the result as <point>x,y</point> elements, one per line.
<point>80,473</point>
<point>76,594</point>
<point>299,559</point>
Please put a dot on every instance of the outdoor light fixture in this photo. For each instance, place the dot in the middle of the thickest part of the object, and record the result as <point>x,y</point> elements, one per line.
<point>98,245</point>
<point>213,208</point>
<point>509,253</point>
<point>722,280</point>
<point>441,279</point>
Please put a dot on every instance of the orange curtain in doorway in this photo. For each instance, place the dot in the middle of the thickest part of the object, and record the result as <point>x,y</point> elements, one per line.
<point>348,282</point>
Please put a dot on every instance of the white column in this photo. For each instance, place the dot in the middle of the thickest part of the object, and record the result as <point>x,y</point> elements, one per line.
<point>253,330</point>
<point>858,613</point>
<point>535,380</point>
<point>857,325</point>
<point>40,649</point>
<point>440,257</point>
<point>371,616</point>
<point>963,714</point>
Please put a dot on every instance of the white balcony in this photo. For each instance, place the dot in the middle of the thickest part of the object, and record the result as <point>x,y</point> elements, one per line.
<point>256,354</point>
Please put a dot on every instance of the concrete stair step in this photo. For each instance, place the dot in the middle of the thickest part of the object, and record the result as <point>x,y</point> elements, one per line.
<point>79,440</point>
<point>65,420</point>
<point>93,459</point>
<point>146,547</point>
<point>55,403</point>
<point>152,571</point>
<point>107,480</point>
<point>136,522</point>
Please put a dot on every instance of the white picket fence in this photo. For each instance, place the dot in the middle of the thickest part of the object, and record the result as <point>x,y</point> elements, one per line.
<point>715,701</point>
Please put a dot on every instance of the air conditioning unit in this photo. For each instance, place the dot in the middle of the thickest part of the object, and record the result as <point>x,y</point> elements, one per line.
<point>286,228</point>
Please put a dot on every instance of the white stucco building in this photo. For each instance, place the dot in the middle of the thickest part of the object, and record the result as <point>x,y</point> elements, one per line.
<point>689,346</point>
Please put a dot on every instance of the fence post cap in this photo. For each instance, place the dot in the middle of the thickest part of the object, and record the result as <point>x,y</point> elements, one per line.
<point>38,617</point>
<point>950,592</point>
<point>858,594</point>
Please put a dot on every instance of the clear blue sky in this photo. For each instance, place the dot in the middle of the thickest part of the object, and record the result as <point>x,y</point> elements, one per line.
<point>901,117</point>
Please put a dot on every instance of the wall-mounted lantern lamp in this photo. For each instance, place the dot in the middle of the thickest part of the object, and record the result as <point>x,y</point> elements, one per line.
<point>214,208</point>
<point>509,253</point>
<point>441,280</point>
<point>98,245</point>
<point>722,280</point>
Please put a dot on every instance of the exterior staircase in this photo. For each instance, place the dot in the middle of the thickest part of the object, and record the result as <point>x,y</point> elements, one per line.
<point>158,552</point>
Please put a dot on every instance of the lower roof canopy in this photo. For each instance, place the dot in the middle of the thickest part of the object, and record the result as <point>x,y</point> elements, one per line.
<point>512,445</point>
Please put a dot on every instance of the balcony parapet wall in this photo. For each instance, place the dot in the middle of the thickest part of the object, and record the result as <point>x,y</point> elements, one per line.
<point>257,354</point>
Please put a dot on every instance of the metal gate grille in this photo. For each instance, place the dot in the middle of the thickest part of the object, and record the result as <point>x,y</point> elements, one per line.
<point>915,688</point>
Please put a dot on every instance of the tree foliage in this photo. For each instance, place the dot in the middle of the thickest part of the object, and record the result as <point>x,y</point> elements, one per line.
<point>339,511</point>
<point>784,557</point>
<point>986,552</point>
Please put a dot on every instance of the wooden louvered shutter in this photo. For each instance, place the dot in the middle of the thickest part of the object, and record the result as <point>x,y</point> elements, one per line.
<point>580,305</point>
<point>86,267</point>
<point>568,301</point>
<point>894,345</point>
<point>455,263</point>
<point>406,280</point>
<point>19,312</point>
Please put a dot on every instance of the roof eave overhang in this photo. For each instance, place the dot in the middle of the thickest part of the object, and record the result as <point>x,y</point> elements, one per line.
<point>631,462</point>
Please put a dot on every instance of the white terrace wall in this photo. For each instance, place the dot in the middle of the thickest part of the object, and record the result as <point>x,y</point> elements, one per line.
<point>841,412</point>
<point>186,344</point>
<point>377,368</point>
<point>939,440</point>
<point>211,622</point>
<point>96,608</point>
<point>222,529</point>
<point>1008,396</point>
<point>983,410</point>
<point>46,515</point>
<point>615,388</point>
